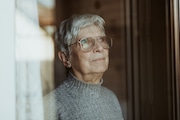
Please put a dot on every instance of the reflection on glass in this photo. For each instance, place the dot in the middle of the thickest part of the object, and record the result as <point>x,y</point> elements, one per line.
<point>34,61</point>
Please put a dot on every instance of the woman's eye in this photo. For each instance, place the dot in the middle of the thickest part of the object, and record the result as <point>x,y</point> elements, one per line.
<point>101,39</point>
<point>85,43</point>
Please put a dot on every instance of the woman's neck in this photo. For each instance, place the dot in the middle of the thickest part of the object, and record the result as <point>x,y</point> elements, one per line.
<point>92,78</point>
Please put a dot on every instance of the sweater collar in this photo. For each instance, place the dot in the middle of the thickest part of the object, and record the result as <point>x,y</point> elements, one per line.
<point>80,88</point>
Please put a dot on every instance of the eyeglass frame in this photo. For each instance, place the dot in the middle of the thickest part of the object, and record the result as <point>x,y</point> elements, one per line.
<point>79,41</point>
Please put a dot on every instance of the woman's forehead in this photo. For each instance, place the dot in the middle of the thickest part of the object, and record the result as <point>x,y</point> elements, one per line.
<point>90,31</point>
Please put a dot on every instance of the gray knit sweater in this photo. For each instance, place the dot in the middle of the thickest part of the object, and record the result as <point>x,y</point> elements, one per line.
<point>77,100</point>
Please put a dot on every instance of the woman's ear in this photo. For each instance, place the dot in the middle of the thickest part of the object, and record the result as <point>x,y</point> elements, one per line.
<point>63,57</point>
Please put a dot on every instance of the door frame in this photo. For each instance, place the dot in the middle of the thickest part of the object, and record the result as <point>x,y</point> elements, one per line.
<point>175,36</point>
<point>153,55</point>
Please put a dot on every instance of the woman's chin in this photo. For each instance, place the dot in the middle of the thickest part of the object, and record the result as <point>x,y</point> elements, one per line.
<point>100,70</point>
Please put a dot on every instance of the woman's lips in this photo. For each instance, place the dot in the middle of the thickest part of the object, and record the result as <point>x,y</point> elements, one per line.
<point>99,59</point>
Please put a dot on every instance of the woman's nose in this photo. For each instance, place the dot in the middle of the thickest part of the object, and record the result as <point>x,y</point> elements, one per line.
<point>98,47</point>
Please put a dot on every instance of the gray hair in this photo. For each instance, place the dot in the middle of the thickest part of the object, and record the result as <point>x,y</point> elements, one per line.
<point>69,29</point>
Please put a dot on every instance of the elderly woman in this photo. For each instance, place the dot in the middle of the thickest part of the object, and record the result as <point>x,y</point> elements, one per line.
<point>83,48</point>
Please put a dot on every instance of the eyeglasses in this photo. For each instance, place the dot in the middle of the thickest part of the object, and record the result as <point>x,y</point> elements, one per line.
<point>87,44</point>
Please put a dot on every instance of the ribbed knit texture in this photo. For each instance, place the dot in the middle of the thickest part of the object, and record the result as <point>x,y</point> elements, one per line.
<point>77,100</point>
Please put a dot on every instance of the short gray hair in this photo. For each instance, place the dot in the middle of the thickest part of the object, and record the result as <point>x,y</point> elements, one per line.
<point>69,29</point>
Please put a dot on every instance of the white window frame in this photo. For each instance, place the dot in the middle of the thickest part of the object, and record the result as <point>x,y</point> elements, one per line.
<point>7,60</point>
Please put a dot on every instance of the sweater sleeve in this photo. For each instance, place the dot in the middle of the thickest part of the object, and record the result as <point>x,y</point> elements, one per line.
<point>116,101</point>
<point>112,98</point>
<point>50,111</point>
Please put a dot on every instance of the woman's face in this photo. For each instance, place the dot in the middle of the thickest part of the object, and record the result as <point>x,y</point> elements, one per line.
<point>93,62</point>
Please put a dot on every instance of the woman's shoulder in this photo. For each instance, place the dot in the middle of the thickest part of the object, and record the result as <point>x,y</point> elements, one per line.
<point>107,91</point>
<point>53,103</point>
<point>109,94</point>
<point>54,94</point>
